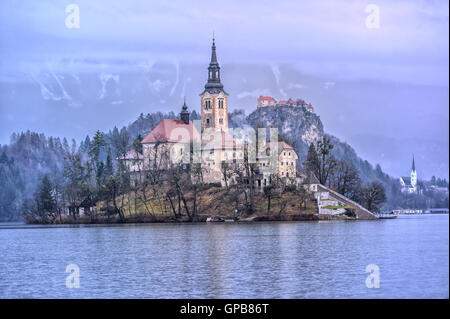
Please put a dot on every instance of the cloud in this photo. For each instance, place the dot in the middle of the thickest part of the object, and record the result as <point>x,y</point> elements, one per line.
<point>296,86</point>
<point>254,93</point>
<point>413,34</point>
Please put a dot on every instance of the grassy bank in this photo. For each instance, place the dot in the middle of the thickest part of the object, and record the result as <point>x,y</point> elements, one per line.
<point>213,203</point>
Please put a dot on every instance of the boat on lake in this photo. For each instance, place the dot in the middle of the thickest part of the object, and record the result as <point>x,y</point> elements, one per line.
<point>387,215</point>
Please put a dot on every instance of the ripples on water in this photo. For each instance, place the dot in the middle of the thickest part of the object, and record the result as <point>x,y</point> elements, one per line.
<point>257,260</point>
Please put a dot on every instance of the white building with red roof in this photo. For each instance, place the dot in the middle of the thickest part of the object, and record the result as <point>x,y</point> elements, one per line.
<point>282,103</point>
<point>266,101</point>
<point>286,161</point>
<point>173,142</point>
<point>170,142</point>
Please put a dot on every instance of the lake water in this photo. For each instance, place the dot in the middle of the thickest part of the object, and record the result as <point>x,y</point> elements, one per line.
<point>256,260</point>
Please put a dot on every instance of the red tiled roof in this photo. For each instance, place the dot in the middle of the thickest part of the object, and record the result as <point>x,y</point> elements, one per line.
<point>281,146</point>
<point>265,98</point>
<point>282,103</point>
<point>284,146</point>
<point>172,131</point>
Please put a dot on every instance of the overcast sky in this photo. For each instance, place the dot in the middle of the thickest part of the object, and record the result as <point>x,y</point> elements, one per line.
<point>399,70</point>
<point>326,37</point>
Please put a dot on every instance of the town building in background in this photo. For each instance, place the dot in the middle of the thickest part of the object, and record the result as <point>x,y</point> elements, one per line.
<point>265,101</point>
<point>409,184</point>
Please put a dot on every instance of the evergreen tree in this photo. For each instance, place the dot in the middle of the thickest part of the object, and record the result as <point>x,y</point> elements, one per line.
<point>66,145</point>
<point>45,199</point>
<point>109,171</point>
<point>96,146</point>
<point>320,161</point>
<point>137,146</point>
<point>312,159</point>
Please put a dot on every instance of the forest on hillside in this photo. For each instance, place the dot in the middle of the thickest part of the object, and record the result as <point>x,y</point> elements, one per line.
<point>32,161</point>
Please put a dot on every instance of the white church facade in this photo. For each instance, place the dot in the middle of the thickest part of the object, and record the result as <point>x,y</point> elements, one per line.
<point>409,184</point>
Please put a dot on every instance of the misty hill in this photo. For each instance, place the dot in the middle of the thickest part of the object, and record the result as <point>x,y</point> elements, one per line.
<point>300,128</point>
<point>29,156</point>
<point>76,97</point>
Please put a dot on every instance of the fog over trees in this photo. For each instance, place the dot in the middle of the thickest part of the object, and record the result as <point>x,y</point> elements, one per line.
<point>41,177</point>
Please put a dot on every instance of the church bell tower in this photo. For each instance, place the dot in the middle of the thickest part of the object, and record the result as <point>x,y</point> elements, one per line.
<point>214,104</point>
<point>413,175</point>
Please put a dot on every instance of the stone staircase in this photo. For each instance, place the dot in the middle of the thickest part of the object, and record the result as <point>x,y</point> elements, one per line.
<point>335,197</point>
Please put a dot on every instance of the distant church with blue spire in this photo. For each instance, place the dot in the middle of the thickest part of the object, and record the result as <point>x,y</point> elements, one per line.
<point>409,184</point>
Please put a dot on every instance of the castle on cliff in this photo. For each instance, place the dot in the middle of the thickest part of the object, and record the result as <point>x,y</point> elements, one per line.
<point>174,141</point>
<point>264,101</point>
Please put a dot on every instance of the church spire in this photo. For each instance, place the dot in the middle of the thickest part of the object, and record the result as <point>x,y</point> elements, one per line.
<point>214,102</point>
<point>184,114</point>
<point>213,53</point>
<point>213,85</point>
<point>413,165</point>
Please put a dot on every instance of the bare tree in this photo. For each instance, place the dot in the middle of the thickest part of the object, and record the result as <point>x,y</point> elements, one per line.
<point>373,196</point>
<point>320,161</point>
<point>302,194</point>
<point>345,179</point>
<point>227,172</point>
<point>272,190</point>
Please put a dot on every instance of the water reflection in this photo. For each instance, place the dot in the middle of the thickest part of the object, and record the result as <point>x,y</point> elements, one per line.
<point>260,260</point>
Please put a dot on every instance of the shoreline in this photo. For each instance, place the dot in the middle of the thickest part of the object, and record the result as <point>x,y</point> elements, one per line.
<point>255,218</point>
<point>146,219</point>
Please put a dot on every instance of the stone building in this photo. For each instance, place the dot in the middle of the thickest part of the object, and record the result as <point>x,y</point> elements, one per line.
<point>170,142</point>
<point>214,100</point>
<point>174,141</point>
<point>266,101</point>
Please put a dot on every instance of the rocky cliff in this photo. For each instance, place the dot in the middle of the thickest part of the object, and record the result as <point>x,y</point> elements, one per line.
<point>296,125</point>
<point>299,127</point>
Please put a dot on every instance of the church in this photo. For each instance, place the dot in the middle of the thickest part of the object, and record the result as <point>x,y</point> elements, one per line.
<point>175,141</point>
<point>409,184</point>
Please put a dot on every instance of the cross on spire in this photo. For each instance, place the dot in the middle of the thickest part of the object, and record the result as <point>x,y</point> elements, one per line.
<point>213,53</point>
